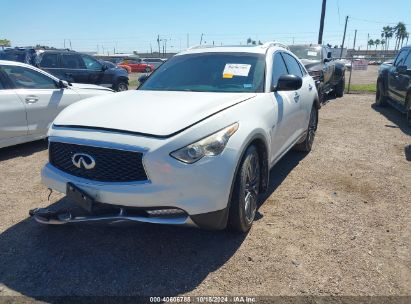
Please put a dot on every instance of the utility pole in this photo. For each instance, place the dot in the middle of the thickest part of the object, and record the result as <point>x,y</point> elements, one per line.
<point>368,39</point>
<point>158,42</point>
<point>70,44</point>
<point>345,30</point>
<point>201,39</point>
<point>352,60</point>
<point>320,33</point>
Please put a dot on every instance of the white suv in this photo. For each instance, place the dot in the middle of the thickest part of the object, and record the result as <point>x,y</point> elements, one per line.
<point>192,146</point>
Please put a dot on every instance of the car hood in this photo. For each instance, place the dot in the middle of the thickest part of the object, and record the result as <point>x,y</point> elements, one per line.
<point>86,86</point>
<point>151,113</point>
<point>312,64</point>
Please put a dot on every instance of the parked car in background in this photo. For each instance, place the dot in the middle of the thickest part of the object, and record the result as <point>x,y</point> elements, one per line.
<point>228,115</point>
<point>137,65</point>
<point>82,68</point>
<point>30,99</point>
<point>328,73</point>
<point>24,55</point>
<point>394,83</point>
<point>156,62</point>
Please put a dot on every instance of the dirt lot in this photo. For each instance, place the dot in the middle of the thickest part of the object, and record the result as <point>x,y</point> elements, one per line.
<point>335,222</point>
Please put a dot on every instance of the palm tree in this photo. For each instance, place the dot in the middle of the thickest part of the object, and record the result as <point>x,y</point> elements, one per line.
<point>387,33</point>
<point>400,34</point>
<point>370,42</point>
<point>249,40</point>
<point>382,44</point>
<point>377,42</point>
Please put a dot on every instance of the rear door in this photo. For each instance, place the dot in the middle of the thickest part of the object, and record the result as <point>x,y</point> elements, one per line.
<point>42,97</point>
<point>404,81</point>
<point>73,68</point>
<point>395,80</point>
<point>13,122</point>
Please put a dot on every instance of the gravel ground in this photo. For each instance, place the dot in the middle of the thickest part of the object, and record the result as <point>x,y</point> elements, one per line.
<point>363,77</point>
<point>335,222</point>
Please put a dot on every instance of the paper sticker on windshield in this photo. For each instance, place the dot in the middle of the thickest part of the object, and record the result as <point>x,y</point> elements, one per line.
<point>236,69</point>
<point>311,53</point>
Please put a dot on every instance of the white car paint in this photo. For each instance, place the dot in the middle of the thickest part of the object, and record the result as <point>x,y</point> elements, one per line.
<point>26,113</point>
<point>160,122</point>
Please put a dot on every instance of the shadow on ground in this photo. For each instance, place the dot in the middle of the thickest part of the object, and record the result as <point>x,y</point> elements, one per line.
<point>23,150</point>
<point>396,117</point>
<point>43,261</point>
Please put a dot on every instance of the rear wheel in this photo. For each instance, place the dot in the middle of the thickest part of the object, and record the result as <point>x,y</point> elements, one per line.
<point>121,86</point>
<point>307,144</point>
<point>380,99</point>
<point>244,199</point>
<point>340,87</point>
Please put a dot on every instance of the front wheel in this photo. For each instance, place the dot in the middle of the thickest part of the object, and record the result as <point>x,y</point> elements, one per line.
<point>121,86</point>
<point>380,99</point>
<point>307,143</point>
<point>408,107</point>
<point>340,87</point>
<point>244,199</point>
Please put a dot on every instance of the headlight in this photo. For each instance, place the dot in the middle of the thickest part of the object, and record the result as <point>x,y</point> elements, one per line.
<point>211,145</point>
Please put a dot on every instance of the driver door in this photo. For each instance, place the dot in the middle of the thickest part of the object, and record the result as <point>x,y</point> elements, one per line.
<point>396,81</point>
<point>288,108</point>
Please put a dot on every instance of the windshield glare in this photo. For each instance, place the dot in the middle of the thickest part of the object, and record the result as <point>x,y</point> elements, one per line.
<point>306,52</point>
<point>210,72</point>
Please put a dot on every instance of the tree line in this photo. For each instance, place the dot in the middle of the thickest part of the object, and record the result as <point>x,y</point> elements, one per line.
<point>399,32</point>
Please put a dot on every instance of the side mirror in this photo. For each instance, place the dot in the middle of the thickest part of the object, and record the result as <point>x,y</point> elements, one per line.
<point>402,69</point>
<point>63,84</point>
<point>288,83</point>
<point>142,79</point>
<point>104,67</point>
<point>329,55</point>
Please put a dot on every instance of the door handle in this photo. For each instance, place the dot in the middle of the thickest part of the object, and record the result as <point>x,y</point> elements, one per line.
<point>31,99</point>
<point>296,97</point>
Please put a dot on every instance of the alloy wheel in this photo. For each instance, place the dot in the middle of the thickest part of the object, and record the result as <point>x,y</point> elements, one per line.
<point>252,183</point>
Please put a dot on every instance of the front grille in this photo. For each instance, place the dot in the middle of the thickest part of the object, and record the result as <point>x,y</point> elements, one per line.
<point>111,165</point>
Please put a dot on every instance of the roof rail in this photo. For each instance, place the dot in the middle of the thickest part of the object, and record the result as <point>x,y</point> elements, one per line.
<point>203,46</point>
<point>274,43</point>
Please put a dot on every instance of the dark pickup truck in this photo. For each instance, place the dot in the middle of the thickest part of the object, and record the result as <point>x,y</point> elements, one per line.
<point>328,73</point>
<point>394,83</point>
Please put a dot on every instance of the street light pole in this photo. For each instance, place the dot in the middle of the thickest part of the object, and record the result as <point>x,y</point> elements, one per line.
<point>320,33</point>
<point>345,30</point>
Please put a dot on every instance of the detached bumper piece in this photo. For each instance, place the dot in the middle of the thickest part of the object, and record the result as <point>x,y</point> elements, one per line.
<point>112,214</point>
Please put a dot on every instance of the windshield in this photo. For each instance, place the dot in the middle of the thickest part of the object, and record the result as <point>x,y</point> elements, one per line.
<point>306,52</point>
<point>210,72</point>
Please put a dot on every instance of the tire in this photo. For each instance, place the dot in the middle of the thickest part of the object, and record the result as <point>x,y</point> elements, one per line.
<point>244,200</point>
<point>148,69</point>
<point>121,86</point>
<point>321,94</point>
<point>380,98</point>
<point>340,87</point>
<point>306,145</point>
<point>408,109</point>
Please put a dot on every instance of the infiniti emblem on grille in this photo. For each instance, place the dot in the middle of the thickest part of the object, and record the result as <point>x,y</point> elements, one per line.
<point>83,160</point>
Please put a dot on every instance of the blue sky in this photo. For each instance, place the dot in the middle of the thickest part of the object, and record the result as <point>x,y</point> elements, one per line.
<point>133,25</point>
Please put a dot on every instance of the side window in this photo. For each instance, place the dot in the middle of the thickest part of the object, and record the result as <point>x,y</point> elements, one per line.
<point>24,78</point>
<point>401,58</point>
<point>49,60</point>
<point>292,65</point>
<point>408,62</point>
<point>302,69</point>
<point>91,63</point>
<point>72,61</point>
<point>279,68</point>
